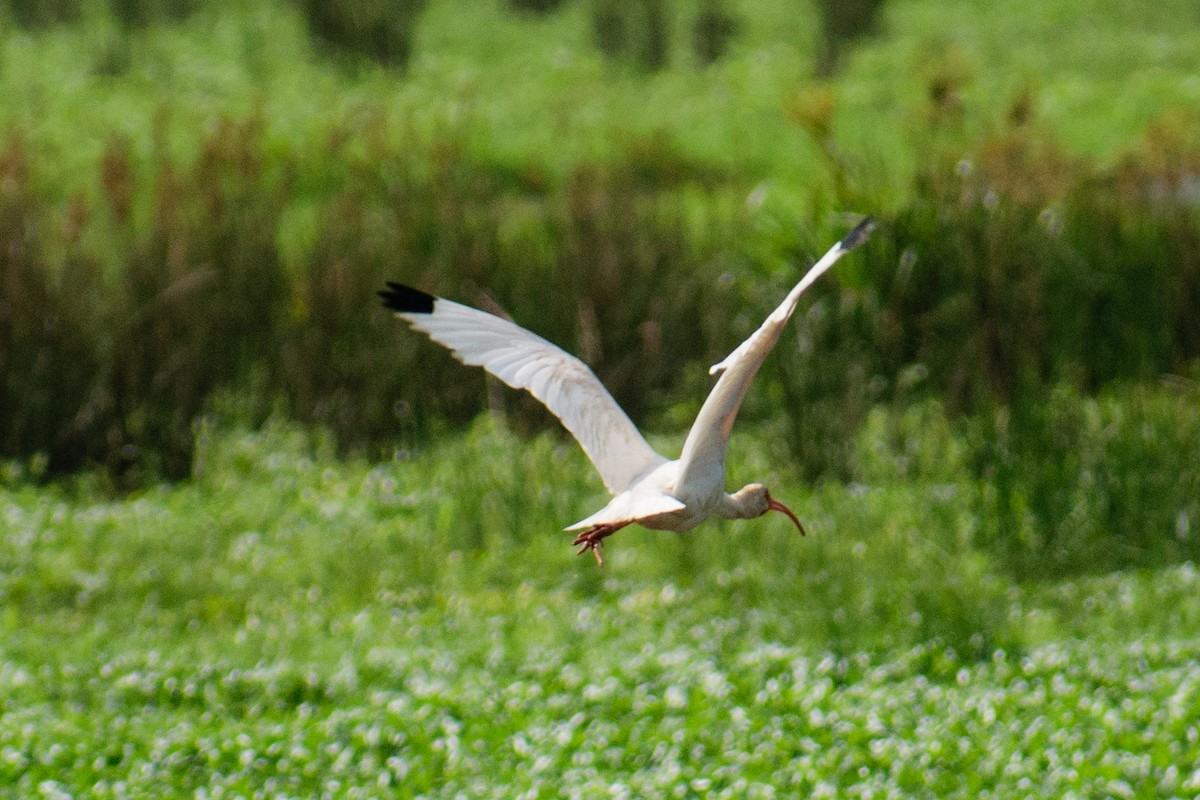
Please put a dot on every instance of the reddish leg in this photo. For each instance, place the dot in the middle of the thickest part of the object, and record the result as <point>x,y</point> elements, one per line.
<point>591,539</point>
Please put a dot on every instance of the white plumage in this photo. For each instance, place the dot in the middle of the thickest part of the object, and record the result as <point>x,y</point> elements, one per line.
<point>647,488</point>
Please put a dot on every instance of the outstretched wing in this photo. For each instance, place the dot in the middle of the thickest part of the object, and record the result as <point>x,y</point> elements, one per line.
<point>524,360</point>
<point>706,442</point>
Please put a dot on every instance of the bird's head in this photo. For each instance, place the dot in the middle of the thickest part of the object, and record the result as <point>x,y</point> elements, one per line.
<point>756,499</point>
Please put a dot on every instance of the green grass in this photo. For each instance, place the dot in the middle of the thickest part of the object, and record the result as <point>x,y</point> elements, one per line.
<point>285,624</point>
<point>559,696</point>
<point>533,92</point>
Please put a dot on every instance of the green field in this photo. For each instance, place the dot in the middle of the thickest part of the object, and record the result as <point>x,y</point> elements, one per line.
<point>287,625</point>
<point>259,540</point>
<point>535,94</point>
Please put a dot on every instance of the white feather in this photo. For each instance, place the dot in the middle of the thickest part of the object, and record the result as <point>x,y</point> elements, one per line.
<point>563,383</point>
<point>707,440</point>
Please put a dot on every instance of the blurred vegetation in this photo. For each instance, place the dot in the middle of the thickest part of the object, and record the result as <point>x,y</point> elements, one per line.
<point>639,30</point>
<point>713,30</point>
<point>41,13</point>
<point>842,22</point>
<point>538,6</point>
<point>131,14</point>
<point>380,30</point>
<point>1018,284</point>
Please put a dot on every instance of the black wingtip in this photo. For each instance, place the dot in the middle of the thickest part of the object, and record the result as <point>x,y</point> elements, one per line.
<point>407,300</point>
<point>860,233</point>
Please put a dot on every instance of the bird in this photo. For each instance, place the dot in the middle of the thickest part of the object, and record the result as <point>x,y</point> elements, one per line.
<point>646,487</point>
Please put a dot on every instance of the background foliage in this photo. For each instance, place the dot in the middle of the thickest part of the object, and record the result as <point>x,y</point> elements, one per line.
<point>1012,268</point>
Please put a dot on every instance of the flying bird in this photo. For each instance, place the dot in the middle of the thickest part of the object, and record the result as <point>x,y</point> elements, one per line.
<point>647,488</point>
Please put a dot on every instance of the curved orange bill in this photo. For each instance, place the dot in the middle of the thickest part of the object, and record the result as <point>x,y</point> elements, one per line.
<point>775,505</point>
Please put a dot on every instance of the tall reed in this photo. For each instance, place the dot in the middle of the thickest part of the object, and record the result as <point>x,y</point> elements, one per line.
<point>1009,279</point>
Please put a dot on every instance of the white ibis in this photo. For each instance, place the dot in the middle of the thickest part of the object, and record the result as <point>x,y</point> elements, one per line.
<point>647,488</point>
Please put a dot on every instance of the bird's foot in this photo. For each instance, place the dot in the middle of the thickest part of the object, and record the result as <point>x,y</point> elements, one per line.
<point>591,539</point>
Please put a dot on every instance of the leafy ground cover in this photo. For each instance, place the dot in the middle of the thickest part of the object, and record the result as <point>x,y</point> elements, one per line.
<point>288,625</point>
<point>622,696</point>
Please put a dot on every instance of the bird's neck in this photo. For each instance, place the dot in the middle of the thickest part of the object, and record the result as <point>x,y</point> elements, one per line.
<point>737,506</point>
